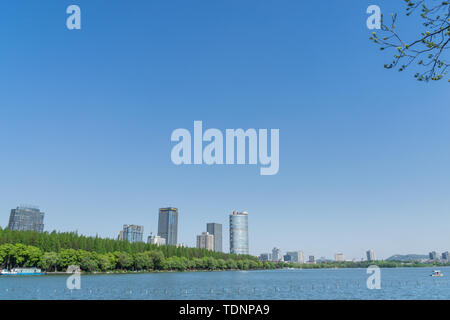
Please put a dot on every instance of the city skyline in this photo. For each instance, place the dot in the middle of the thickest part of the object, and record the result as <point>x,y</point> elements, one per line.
<point>136,234</point>
<point>86,123</point>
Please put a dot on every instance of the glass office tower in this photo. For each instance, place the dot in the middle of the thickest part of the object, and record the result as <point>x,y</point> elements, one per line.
<point>216,230</point>
<point>239,232</point>
<point>168,225</point>
<point>26,219</point>
<point>132,233</point>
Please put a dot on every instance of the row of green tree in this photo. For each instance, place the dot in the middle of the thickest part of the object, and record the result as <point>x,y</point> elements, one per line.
<point>56,251</point>
<point>364,264</point>
<point>57,241</point>
<point>20,255</point>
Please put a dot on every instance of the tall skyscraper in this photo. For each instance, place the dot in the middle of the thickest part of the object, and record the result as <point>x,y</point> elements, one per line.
<point>239,232</point>
<point>312,259</point>
<point>26,218</point>
<point>168,225</point>
<point>205,241</point>
<point>132,233</point>
<point>216,230</point>
<point>370,255</point>
<point>445,256</point>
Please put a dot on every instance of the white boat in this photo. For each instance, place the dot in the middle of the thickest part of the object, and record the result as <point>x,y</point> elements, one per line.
<point>21,272</point>
<point>6,272</point>
<point>437,273</point>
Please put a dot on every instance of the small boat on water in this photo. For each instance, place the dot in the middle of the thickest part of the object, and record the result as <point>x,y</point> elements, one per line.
<point>21,272</point>
<point>437,273</point>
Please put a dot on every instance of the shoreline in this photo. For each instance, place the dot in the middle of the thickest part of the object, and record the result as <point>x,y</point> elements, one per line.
<point>207,271</point>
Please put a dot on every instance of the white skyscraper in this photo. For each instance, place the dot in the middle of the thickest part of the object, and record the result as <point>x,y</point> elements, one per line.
<point>239,232</point>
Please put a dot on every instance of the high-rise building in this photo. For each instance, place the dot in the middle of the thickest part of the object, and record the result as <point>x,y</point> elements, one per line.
<point>132,233</point>
<point>434,255</point>
<point>445,256</point>
<point>205,241</point>
<point>276,254</point>
<point>339,257</point>
<point>370,255</point>
<point>216,230</point>
<point>26,218</point>
<point>265,257</point>
<point>156,240</point>
<point>295,256</point>
<point>312,259</point>
<point>168,225</point>
<point>239,232</point>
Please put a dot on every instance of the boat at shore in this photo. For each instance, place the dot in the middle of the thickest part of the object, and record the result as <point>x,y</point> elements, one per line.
<point>21,272</point>
<point>437,273</point>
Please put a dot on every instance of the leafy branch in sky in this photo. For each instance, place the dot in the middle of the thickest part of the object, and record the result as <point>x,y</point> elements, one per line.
<point>429,51</point>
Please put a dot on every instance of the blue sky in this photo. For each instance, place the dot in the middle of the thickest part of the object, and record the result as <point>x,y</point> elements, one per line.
<point>86,118</point>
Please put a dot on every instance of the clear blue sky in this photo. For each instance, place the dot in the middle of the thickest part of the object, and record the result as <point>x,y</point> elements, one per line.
<point>86,118</point>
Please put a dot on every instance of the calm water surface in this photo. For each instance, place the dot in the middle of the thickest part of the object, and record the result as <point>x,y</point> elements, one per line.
<point>402,283</point>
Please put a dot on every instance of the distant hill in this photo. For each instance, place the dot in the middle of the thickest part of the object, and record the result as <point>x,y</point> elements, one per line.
<point>408,257</point>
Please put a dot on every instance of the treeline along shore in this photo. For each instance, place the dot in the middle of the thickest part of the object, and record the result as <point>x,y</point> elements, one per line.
<point>55,251</point>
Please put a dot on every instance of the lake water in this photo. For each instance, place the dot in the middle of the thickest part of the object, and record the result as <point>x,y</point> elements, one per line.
<point>401,283</point>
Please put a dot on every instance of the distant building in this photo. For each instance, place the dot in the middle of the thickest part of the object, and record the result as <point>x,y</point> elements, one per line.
<point>156,240</point>
<point>216,230</point>
<point>205,241</point>
<point>323,259</point>
<point>295,256</point>
<point>312,259</point>
<point>132,233</point>
<point>276,254</point>
<point>168,225</point>
<point>26,218</point>
<point>239,233</point>
<point>445,256</point>
<point>370,255</point>
<point>265,257</point>
<point>120,237</point>
<point>433,255</point>
<point>339,257</point>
